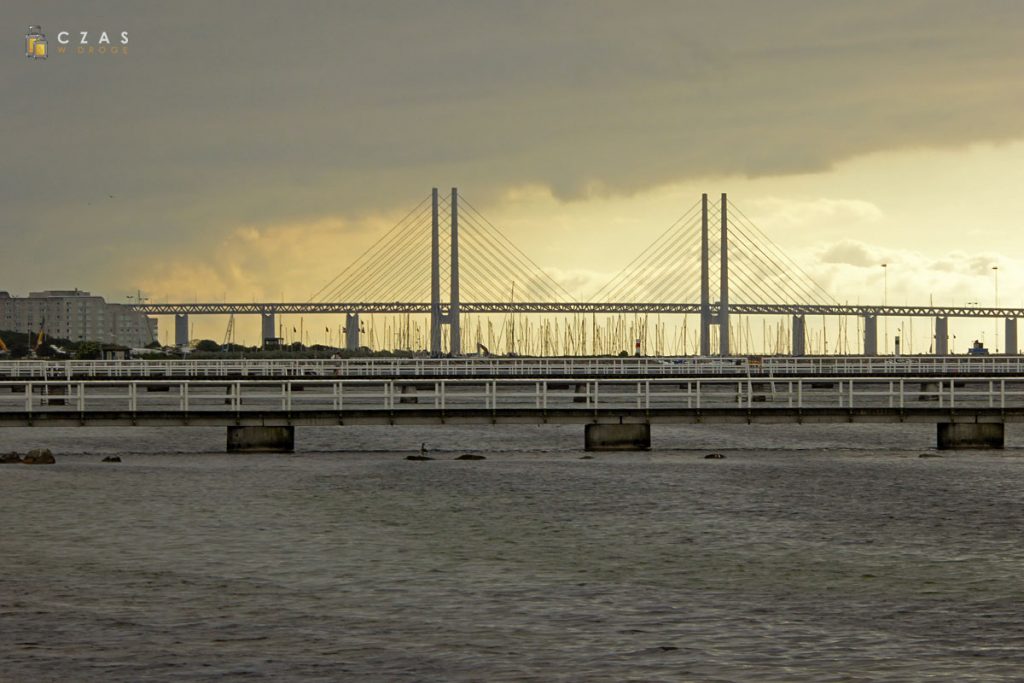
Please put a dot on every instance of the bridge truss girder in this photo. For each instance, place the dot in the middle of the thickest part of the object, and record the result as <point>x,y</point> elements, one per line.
<point>576,307</point>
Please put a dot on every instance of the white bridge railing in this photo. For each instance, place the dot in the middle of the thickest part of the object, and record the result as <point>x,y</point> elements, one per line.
<point>292,396</point>
<point>519,367</point>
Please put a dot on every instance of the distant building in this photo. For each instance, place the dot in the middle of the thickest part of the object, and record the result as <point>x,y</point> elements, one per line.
<point>77,316</point>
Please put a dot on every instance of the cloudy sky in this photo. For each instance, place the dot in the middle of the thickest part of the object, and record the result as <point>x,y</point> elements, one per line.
<point>247,150</point>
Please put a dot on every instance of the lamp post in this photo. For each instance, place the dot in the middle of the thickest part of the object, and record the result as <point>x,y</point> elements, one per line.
<point>139,299</point>
<point>885,302</point>
<point>995,273</point>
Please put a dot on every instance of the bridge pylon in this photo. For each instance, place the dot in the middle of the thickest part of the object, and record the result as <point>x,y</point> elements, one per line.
<point>439,316</point>
<point>721,318</point>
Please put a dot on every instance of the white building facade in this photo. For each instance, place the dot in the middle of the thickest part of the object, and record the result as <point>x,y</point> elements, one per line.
<point>77,316</point>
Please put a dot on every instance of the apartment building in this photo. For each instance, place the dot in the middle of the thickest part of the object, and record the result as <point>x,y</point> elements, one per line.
<point>77,316</point>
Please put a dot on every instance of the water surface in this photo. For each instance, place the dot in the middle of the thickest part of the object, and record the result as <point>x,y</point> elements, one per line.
<point>827,554</point>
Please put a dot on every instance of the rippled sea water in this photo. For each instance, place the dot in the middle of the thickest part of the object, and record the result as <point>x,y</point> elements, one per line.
<point>827,553</point>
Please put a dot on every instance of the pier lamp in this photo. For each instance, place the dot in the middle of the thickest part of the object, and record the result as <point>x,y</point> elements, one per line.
<point>885,302</point>
<point>995,273</point>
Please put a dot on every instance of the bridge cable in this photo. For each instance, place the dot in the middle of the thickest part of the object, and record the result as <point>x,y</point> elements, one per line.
<point>371,248</point>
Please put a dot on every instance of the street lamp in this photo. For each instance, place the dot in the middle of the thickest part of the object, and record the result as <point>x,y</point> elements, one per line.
<point>885,302</point>
<point>139,300</point>
<point>995,273</point>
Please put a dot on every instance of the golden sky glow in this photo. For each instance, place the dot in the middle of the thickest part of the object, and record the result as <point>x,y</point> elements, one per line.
<point>216,162</point>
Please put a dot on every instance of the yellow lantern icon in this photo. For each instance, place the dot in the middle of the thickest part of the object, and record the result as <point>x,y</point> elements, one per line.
<point>35,43</point>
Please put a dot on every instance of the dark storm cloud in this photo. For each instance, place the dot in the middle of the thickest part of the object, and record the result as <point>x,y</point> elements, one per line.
<point>237,112</point>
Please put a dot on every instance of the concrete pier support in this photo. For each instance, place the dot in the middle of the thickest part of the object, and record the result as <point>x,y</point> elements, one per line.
<point>181,329</point>
<point>261,439</point>
<point>799,335</point>
<point>1011,337</point>
<point>268,328</point>
<point>870,335</point>
<point>942,336</point>
<point>617,437</point>
<point>351,331</point>
<point>970,435</point>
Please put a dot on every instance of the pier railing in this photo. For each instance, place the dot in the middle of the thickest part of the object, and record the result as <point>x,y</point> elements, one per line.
<point>754,366</point>
<point>173,399</point>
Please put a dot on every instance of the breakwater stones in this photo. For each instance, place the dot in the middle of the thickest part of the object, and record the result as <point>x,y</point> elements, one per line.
<point>36,456</point>
<point>464,456</point>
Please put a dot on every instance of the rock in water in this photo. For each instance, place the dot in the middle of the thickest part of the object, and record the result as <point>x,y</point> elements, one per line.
<point>418,457</point>
<point>714,456</point>
<point>586,457</point>
<point>112,458</point>
<point>470,456</point>
<point>8,458</point>
<point>929,455</point>
<point>39,456</point>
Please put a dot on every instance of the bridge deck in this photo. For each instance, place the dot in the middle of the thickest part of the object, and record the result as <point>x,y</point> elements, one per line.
<point>361,401</point>
<point>496,367</point>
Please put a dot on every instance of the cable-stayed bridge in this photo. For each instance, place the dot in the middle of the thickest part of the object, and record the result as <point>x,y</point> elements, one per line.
<point>712,262</point>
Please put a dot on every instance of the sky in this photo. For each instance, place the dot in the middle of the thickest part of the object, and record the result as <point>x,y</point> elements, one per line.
<point>251,150</point>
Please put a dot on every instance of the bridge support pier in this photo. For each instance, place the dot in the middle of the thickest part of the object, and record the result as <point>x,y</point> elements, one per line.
<point>261,439</point>
<point>942,336</point>
<point>617,437</point>
<point>1011,337</point>
<point>870,335</point>
<point>351,331</point>
<point>970,435</point>
<point>267,328</point>
<point>799,336</point>
<point>181,330</point>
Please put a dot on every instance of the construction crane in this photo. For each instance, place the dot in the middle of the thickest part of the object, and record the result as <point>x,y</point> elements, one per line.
<point>229,334</point>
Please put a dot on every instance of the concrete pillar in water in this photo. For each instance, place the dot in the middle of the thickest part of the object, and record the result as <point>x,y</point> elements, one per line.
<point>181,330</point>
<point>970,435</point>
<point>435,279</point>
<point>870,335</point>
<point>261,439</point>
<point>267,328</point>
<point>723,308</point>
<point>799,336</point>
<point>617,437</point>
<point>351,331</point>
<point>705,286</point>
<point>1011,337</point>
<point>942,336</point>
